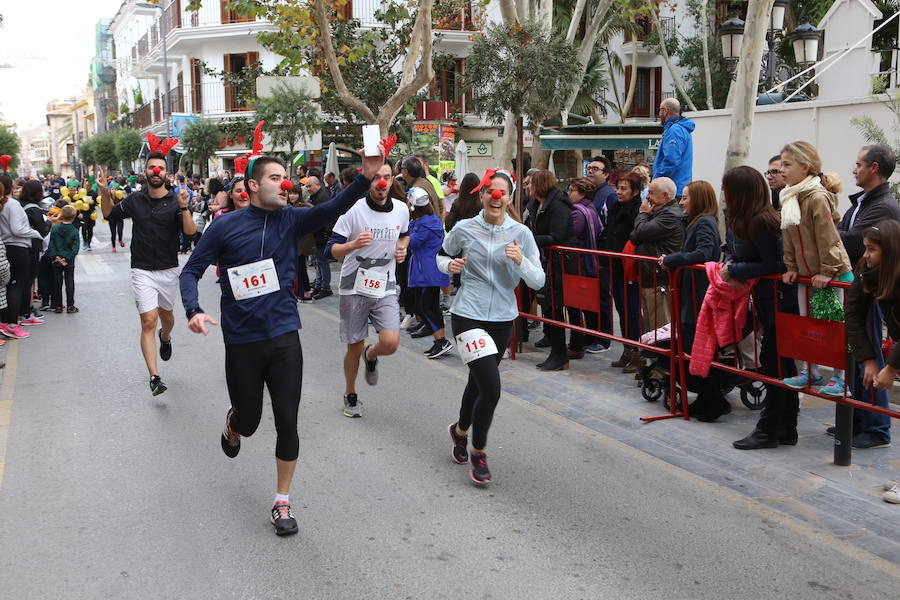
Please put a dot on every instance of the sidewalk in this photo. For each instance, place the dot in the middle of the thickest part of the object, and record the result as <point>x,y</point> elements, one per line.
<point>799,481</point>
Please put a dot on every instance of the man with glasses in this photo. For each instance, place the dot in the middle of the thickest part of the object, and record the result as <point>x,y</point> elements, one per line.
<point>598,171</point>
<point>776,180</point>
<point>675,156</point>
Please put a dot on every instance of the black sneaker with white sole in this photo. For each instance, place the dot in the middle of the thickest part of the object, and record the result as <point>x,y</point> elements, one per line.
<point>231,440</point>
<point>157,387</point>
<point>352,406</point>
<point>283,519</point>
<point>371,367</point>
<point>165,347</point>
<point>440,348</point>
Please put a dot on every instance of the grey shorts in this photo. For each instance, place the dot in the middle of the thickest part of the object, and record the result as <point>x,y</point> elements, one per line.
<point>356,311</point>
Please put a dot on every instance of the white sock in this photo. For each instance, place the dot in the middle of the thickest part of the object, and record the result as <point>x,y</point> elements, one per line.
<point>282,498</point>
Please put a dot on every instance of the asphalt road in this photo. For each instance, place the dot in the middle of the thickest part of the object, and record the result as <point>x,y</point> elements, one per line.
<point>108,492</point>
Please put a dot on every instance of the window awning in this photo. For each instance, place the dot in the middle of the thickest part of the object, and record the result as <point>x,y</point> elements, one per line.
<point>602,137</point>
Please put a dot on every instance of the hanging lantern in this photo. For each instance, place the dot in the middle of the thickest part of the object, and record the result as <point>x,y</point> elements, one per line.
<point>805,40</point>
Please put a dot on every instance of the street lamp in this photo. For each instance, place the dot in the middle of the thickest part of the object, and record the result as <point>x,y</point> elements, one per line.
<point>776,21</point>
<point>166,94</point>
<point>731,32</point>
<point>805,39</point>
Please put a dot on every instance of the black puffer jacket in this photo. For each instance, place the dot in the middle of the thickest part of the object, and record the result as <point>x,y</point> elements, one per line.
<point>877,205</point>
<point>551,223</point>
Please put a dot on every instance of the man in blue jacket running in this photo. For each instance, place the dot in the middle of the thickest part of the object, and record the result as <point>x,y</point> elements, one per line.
<point>675,157</point>
<point>256,249</point>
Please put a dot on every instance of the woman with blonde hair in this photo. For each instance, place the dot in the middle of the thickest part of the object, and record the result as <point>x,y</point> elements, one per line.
<point>812,244</point>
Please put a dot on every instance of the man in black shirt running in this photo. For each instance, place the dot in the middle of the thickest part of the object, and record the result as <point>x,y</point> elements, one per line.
<point>159,215</point>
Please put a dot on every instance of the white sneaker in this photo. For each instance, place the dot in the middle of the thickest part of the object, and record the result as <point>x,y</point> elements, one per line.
<point>407,322</point>
<point>892,495</point>
<point>890,483</point>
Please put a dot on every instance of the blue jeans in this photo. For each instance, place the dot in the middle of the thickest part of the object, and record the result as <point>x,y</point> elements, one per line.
<point>323,271</point>
<point>863,420</point>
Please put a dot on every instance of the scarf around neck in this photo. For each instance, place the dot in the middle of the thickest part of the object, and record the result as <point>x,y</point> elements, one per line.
<point>790,207</point>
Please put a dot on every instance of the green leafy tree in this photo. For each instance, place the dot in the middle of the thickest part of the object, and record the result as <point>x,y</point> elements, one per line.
<point>200,139</point>
<point>86,152</point>
<point>10,144</point>
<point>104,149</point>
<point>290,115</point>
<point>128,145</point>
<point>358,67</point>
<point>523,70</point>
<point>47,171</point>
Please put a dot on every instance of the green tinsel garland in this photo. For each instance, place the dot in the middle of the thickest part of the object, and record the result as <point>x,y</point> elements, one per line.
<point>826,306</point>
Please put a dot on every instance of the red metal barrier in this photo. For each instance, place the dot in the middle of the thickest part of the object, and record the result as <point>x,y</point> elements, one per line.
<point>581,290</point>
<point>797,337</point>
<point>802,338</point>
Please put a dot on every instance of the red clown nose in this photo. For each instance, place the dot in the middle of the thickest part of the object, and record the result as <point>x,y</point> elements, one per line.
<point>382,184</point>
<point>286,185</point>
<point>244,195</point>
<point>157,170</point>
<point>496,194</point>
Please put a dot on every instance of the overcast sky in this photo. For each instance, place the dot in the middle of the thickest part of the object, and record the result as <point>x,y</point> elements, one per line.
<point>46,47</point>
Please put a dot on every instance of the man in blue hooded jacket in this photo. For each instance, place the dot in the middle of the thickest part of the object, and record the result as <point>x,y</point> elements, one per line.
<point>675,156</point>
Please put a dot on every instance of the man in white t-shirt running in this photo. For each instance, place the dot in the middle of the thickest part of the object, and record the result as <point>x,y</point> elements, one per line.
<point>372,238</point>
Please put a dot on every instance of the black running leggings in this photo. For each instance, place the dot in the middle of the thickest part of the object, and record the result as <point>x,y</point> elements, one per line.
<point>87,231</point>
<point>483,388</point>
<point>428,306</point>
<point>19,286</point>
<point>277,363</point>
<point>116,226</point>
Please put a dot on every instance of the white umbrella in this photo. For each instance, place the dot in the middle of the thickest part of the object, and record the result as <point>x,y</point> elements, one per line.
<point>461,157</point>
<point>331,163</point>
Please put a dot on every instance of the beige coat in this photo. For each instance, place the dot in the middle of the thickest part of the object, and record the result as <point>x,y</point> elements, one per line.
<point>814,246</point>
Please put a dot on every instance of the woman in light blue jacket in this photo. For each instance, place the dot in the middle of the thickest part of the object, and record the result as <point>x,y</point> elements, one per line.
<point>496,253</point>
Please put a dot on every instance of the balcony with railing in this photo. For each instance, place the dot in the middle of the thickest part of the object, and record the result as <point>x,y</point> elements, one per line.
<point>212,99</point>
<point>645,29</point>
<point>447,15</point>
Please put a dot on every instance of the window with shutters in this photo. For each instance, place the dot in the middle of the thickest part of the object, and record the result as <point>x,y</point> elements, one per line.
<point>232,16</point>
<point>235,100</point>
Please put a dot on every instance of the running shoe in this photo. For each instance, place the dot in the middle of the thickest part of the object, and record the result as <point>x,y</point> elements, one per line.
<point>16,333</point>
<point>371,367</point>
<point>596,348</point>
<point>72,309</point>
<point>45,307</point>
<point>122,243</point>
<point>31,321</point>
<point>231,441</point>
<point>157,387</point>
<point>440,348</point>
<point>352,406</point>
<point>114,247</point>
<point>480,473</point>
<point>165,347</point>
<point>869,441</point>
<point>798,382</point>
<point>407,322</point>
<point>58,310</point>
<point>834,389</point>
<point>459,452</point>
<point>892,494</point>
<point>283,519</point>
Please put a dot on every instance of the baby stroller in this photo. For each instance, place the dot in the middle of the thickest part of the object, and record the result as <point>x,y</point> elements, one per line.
<point>654,378</point>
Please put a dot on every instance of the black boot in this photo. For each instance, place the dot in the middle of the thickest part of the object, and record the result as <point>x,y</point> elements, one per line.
<point>757,439</point>
<point>557,361</point>
<point>544,342</point>
<point>788,437</point>
<point>712,405</point>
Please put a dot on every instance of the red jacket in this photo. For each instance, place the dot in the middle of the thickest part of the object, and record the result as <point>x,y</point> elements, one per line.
<point>721,319</point>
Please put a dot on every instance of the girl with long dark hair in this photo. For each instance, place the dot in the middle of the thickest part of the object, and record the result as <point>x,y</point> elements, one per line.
<point>756,250</point>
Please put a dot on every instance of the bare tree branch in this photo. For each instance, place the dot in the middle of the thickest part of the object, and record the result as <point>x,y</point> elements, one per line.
<point>321,17</point>
<point>704,35</point>
<point>676,79</point>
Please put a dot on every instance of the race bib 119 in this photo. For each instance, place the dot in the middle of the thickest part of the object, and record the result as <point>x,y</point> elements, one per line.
<point>474,344</point>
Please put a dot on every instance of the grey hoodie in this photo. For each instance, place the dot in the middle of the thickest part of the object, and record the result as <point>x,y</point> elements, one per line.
<point>14,227</point>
